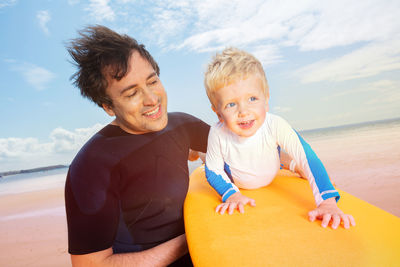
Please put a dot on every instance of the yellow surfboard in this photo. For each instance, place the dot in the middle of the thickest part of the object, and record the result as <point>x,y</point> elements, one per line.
<point>277,232</point>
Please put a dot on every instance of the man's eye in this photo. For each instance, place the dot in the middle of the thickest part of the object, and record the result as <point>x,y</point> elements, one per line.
<point>230,105</point>
<point>253,98</point>
<point>153,82</point>
<point>132,94</point>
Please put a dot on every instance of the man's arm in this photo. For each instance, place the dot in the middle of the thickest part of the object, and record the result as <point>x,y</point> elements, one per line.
<point>161,255</point>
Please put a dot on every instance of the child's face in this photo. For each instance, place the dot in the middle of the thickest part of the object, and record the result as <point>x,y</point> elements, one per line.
<point>242,105</point>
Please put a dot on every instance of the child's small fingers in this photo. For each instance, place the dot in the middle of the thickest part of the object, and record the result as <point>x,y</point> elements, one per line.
<point>326,219</point>
<point>223,208</point>
<point>241,208</point>
<point>336,221</point>
<point>346,221</point>
<point>231,208</point>
<point>312,215</point>
<point>352,221</point>
<point>219,207</point>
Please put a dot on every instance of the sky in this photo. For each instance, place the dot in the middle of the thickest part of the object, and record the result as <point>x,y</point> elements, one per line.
<point>327,63</point>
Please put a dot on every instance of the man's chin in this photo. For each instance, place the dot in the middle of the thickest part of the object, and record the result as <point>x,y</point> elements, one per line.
<point>162,123</point>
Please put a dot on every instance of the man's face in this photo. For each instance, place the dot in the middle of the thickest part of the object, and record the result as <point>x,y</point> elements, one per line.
<point>242,106</point>
<point>139,99</point>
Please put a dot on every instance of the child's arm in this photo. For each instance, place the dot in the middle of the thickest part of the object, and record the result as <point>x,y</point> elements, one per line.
<point>219,180</point>
<point>324,192</point>
<point>290,164</point>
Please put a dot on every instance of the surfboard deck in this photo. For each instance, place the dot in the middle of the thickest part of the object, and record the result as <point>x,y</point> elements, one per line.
<point>277,231</point>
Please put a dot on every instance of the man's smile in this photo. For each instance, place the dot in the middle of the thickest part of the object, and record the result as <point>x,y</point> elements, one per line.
<point>154,113</point>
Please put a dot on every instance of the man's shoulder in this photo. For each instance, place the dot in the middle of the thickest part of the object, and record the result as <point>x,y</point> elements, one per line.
<point>181,117</point>
<point>95,144</point>
<point>105,148</point>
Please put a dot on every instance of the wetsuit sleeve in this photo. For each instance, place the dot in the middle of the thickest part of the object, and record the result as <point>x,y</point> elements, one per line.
<point>305,157</point>
<point>214,168</point>
<point>198,134</point>
<point>92,206</point>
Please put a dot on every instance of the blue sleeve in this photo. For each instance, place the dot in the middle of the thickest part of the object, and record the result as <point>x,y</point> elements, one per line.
<point>302,153</point>
<point>214,168</point>
<point>224,188</point>
<point>326,189</point>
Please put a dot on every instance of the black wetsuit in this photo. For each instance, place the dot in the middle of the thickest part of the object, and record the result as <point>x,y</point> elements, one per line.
<point>127,191</point>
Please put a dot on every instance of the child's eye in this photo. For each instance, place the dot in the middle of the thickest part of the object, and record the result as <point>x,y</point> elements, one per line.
<point>253,98</point>
<point>230,105</point>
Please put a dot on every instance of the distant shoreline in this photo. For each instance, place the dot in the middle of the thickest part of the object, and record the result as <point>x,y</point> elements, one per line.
<point>305,132</point>
<point>40,169</point>
<point>345,126</point>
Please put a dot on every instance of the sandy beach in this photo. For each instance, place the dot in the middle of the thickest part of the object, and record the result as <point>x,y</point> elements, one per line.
<point>365,164</point>
<point>33,228</point>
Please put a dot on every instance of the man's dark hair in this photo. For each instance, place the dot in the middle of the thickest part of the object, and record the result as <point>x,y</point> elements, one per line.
<point>100,52</point>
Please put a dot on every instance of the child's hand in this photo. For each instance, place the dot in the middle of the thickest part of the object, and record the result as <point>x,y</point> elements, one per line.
<point>236,200</point>
<point>327,211</point>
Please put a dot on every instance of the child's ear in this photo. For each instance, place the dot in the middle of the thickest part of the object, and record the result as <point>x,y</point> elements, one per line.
<point>108,109</point>
<point>216,112</point>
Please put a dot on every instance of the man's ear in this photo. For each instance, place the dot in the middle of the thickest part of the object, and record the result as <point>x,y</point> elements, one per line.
<point>108,109</point>
<point>216,112</point>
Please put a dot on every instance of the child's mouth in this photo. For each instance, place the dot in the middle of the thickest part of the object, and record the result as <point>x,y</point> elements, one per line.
<point>246,124</point>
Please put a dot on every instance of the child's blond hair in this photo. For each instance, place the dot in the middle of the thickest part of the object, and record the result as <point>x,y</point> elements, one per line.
<point>229,66</point>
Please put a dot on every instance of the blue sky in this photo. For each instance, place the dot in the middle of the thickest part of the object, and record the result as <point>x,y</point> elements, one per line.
<point>327,62</point>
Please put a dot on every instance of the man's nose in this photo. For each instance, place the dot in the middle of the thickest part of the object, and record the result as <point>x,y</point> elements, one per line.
<point>150,98</point>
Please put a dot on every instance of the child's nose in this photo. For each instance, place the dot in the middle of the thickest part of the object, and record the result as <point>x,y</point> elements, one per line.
<point>243,111</point>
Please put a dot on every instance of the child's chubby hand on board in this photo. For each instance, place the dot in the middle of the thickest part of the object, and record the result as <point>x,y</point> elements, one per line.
<point>328,211</point>
<point>235,201</point>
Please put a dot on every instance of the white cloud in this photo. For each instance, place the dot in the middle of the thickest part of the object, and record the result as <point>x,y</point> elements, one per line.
<point>5,3</point>
<point>378,87</point>
<point>36,76</point>
<point>73,2</point>
<point>387,94</point>
<point>63,146</point>
<point>310,25</point>
<point>66,141</point>
<point>341,23</point>
<point>267,54</point>
<point>366,61</point>
<point>44,17</point>
<point>267,28</point>
<point>100,10</point>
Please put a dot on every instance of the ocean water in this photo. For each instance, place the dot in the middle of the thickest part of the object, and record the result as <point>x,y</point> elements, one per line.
<point>352,130</point>
<point>27,182</point>
<point>20,183</point>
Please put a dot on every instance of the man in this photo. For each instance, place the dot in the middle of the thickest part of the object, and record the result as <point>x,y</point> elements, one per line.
<point>125,188</point>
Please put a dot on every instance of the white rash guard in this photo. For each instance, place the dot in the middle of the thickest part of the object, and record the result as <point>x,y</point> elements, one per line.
<point>253,162</point>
